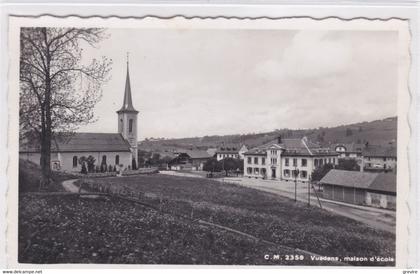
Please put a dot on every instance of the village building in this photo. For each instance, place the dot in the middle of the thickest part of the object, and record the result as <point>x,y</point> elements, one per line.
<point>349,151</point>
<point>189,160</point>
<point>230,152</point>
<point>287,159</point>
<point>379,158</point>
<point>360,188</point>
<point>110,149</point>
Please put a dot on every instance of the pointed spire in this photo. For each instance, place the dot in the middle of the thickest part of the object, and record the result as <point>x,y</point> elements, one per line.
<point>128,102</point>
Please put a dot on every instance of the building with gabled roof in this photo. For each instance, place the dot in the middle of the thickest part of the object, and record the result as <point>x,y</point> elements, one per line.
<point>379,158</point>
<point>287,159</point>
<point>349,150</point>
<point>189,160</point>
<point>234,152</point>
<point>361,188</point>
<point>109,149</point>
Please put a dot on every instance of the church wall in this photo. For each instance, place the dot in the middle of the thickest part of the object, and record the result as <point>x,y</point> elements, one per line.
<point>65,159</point>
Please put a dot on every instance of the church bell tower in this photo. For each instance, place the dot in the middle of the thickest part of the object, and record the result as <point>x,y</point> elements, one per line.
<point>127,118</point>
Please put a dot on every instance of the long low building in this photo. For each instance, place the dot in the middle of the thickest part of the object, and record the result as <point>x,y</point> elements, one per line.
<point>189,160</point>
<point>287,159</point>
<point>361,188</point>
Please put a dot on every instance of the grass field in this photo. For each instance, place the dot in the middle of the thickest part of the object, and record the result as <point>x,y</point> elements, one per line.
<point>73,230</point>
<point>264,215</point>
<point>70,229</point>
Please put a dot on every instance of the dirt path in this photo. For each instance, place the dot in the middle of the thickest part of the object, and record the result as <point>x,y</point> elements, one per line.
<point>69,186</point>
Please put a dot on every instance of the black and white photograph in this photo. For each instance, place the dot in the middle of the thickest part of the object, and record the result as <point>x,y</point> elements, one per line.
<point>211,142</point>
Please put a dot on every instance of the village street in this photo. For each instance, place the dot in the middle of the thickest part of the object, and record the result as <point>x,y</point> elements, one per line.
<point>377,218</point>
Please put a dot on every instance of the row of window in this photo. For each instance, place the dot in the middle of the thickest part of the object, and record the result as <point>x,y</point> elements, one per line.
<point>223,156</point>
<point>320,162</point>
<point>256,171</point>
<point>256,160</point>
<point>287,172</point>
<point>291,173</point>
<point>383,159</point>
<point>117,160</point>
<point>303,162</point>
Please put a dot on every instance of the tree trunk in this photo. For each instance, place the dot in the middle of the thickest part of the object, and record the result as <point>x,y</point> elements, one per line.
<point>46,129</point>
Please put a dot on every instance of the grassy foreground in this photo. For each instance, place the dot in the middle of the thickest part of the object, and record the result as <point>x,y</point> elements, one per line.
<point>70,229</point>
<point>264,215</point>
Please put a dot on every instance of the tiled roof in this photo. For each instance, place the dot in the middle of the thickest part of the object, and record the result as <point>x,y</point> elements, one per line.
<point>197,154</point>
<point>82,142</point>
<point>227,152</point>
<point>293,147</point>
<point>256,151</point>
<point>379,151</point>
<point>385,182</point>
<point>363,180</point>
<point>351,147</point>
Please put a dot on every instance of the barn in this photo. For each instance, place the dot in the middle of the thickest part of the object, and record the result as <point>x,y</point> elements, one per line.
<point>360,188</point>
<point>190,160</point>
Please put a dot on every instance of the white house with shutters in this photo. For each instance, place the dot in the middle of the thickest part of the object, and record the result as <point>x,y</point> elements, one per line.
<point>287,159</point>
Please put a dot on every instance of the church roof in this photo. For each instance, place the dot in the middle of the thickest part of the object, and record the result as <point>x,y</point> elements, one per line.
<point>82,142</point>
<point>128,102</point>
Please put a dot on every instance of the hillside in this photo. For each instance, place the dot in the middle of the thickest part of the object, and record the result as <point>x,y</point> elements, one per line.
<point>375,132</point>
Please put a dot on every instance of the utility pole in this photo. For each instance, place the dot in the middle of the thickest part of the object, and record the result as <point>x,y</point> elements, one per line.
<point>309,190</point>
<point>223,163</point>
<point>296,175</point>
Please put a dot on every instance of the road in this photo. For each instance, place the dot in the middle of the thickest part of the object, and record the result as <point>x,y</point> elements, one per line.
<point>374,217</point>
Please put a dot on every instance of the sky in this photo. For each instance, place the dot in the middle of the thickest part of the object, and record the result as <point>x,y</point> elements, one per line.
<point>188,83</point>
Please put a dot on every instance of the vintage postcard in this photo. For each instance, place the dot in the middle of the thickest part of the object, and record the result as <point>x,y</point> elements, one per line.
<point>208,141</point>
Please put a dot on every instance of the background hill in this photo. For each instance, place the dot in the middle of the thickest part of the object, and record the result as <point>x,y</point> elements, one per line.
<point>380,132</point>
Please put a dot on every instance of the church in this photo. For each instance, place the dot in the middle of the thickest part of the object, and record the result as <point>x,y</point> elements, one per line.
<point>108,149</point>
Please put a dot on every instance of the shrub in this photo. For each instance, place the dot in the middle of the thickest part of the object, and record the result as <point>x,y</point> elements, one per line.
<point>110,169</point>
<point>84,169</point>
<point>90,163</point>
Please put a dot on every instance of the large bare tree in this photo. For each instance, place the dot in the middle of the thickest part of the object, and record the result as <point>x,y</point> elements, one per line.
<point>57,90</point>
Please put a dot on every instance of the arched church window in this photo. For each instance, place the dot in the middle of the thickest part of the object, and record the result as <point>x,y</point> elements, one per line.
<point>74,161</point>
<point>103,160</point>
<point>117,159</point>
<point>130,125</point>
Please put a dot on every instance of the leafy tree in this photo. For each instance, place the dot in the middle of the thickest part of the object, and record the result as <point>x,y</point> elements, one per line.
<point>230,164</point>
<point>57,91</point>
<point>348,164</point>
<point>212,165</point>
<point>90,160</point>
<point>143,156</point>
<point>82,161</point>
<point>84,170</point>
<point>321,171</point>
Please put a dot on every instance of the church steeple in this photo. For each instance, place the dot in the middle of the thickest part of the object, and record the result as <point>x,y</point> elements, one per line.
<point>128,102</point>
<point>127,119</point>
